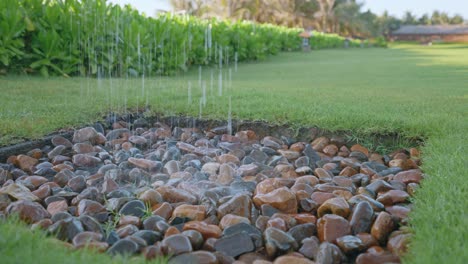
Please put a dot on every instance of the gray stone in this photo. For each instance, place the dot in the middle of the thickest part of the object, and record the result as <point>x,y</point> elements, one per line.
<point>235,245</point>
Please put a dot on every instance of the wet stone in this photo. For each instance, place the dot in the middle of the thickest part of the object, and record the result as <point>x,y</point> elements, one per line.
<point>278,242</point>
<point>177,244</point>
<point>135,208</point>
<point>235,245</point>
<point>350,244</point>
<point>310,247</point>
<point>66,229</point>
<point>361,219</point>
<point>382,227</point>
<point>303,231</point>
<point>123,247</point>
<point>28,211</point>
<point>329,253</point>
<point>330,227</point>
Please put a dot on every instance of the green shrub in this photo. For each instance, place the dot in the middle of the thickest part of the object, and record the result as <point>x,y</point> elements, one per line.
<point>93,37</point>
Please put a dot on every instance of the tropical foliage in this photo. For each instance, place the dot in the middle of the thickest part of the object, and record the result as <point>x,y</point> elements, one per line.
<point>343,17</point>
<point>95,38</point>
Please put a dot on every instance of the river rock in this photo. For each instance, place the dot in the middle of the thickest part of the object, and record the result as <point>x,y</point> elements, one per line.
<point>361,219</point>
<point>382,227</point>
<point>235,245</point>
<point>193,212</point>
<point>176,244</point>
<point>282,199</point>
<point>28,211</point>
<point>330,227</point>
<point>337,206</point>
<point>278,242</point>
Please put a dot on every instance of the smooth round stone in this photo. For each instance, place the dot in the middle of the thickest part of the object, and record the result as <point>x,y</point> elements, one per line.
<point>126,231</point>
<point>77,184</point>
<point>60,140</point>
<point>152,252</point>
<point>398,243</point>
<point>282,199</point>
<point>91,224</point>
<point>28,211</point>
<point>136,208</point>
<point>361,219</point>
<point>329,253</point>
<point>195,257</point>
<point>310,247</point>
<point>123,247</point>
<point>235,245</point>
<point>330,227</point>
<point>66,229</point>
<point>195,237</point>
<point>230,219</point>
<point>56,207</point>
<point>177,244</point>
<point>86,237</point>
<point>149,236</point>
<point>175,195</point>
<point>240,205</point>
<point>19,192</point>
<point>193,212</point>
<point>60,216</point>
<point>392,197</point>
<point>207,230</point>
<point>84,160</point>
<point>278,242</point>
<point>337,206</point>
<point>303,231</point>
<point>350,244</point>
<point>251,230</point>
<point>90,207</point>
<point>382,227</point>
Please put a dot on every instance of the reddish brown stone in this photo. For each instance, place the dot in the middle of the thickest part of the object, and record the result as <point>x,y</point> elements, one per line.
<point>231,219</point>
<point>320,197</point>
<point>337,206</point>
<point>226,158</point>
<point>330,227</point>
<point>282,199</point>
<point>398,243</point>
<point>26,163</point>
<point>277,223</point>
<point>382,227</point>
<point>164,210</point>
<point>348,171</point>
<point>58,206</point>
<point>319,143</point>
<point>392,197</point>
<point>360,148</point>
<point>330,150</point>
<point>28,211</point>
<point>129,220</point>
<point>194,212</point>
<point>305,218</point>
<point>410,176</point>
<point>207,231</point>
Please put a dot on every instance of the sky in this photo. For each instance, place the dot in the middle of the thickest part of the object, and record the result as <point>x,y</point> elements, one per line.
<point>394,7</point>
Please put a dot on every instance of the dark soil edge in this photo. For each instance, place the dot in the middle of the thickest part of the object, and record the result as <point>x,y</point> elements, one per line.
<point>262,128</point>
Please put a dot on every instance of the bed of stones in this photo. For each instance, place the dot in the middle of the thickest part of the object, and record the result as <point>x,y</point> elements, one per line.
<point>204,196</point>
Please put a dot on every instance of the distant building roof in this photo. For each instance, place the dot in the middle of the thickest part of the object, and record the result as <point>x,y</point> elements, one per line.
<point>432,30</point>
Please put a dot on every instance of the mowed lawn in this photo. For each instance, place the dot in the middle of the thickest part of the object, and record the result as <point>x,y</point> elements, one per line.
<point>416,91</point>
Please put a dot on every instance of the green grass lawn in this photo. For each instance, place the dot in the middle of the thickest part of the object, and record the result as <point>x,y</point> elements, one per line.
<point>416,91</point>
